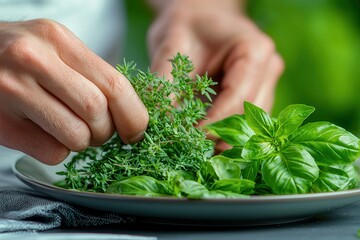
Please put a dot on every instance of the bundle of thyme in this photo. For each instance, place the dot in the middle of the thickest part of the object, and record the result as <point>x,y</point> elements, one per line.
<point>171,142</point>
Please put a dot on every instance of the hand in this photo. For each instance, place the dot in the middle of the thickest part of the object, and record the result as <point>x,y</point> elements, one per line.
<point>220,40</point>
<point>56,95</point>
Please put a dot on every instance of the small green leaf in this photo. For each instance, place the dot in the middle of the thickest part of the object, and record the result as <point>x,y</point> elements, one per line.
<point>258,147</point>
<point>291,171</point>
<point>241,186</point>
<point>234,152</point>
<point>225,168</point>
<point>191,189</point>
<point>142,186</point>
<point>234,130</point>
<point>249,168</point>
<point>336,178</point>
<point>258,120</point>
<point>291,118</point>
<point>327,143</point>
<point>251,171</point>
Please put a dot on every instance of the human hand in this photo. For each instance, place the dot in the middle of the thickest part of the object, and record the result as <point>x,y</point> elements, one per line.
<point>56,95</point>
<point>220,40</point>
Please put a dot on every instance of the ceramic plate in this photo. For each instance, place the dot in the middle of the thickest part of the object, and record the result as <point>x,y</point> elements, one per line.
<point>257,210</point>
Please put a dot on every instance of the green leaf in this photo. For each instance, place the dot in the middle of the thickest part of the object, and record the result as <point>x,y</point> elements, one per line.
<point>225,168</point>
<point>191,189</point>
<point>328,143</point>
<point>291,118</point>
<point>142,186</point>
<point>241,186</point>
<point>234,130</point>
<point>251,171</point>
<point>258,120</point>
<point>234,152</point>
<point>194,190</point>
<point>249,168</point>
<point>207,174</point>
<point>258,147</point>
<point>262,189</point>
<point>293,170</point>
<point>336,178</point>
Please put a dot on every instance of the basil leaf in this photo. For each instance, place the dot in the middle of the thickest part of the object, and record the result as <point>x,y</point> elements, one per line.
<point>251,170</point>
<point>262,189</point>
<point>234,152</point>
<point>241,186</point>
<point>190,188</point>
<point>258,120</point>
<point>336,178</point>
<point>293,170</point>
<point>291,118</point>
<point>225,167</point>
<point>141,185</point>
<point>234,130</point>
<point>218,168</point>
<point>258,147</point>
<point>328,143</point>
<point>207,174</point>
<point>194,190</point>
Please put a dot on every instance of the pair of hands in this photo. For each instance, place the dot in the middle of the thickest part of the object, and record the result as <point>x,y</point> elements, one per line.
<point>58,96</point>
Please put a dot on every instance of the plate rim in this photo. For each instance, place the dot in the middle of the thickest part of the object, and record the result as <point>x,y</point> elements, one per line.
<point>252,199</point>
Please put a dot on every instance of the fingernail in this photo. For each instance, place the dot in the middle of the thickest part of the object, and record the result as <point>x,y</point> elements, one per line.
<point>135,139</point>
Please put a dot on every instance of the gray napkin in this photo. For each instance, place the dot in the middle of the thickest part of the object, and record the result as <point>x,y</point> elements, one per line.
<point>23,209</point>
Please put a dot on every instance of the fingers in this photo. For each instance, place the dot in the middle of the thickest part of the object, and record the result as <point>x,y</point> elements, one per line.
<point>128,112</point>
<point>273,71</point>
<point>28,137</point>
<point>59,96</point>
<point>80,95</point>
<point>247,77</point>
<point>54,117</point>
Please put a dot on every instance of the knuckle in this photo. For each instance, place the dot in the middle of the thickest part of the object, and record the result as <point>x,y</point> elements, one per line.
<point>267,45</point>
<point>255,51</point>
<point>47,26</point>
<point>49,29</point>
<point>79,137</point>
<point>21,50</point>
<point>95,105</point>
<point>117,84</point>
<point>279,64</point>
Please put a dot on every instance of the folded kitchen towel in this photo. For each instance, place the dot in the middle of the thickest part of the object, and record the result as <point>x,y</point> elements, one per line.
<point>24,209</point>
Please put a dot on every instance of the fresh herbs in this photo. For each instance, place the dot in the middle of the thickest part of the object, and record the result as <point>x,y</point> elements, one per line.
<point>285,157</point>
<point>171,143</point>
<point>267,156</point>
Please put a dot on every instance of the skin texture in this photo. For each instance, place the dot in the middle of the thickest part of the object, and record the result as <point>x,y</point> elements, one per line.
<point>222,41</point>
<point>59,96</point>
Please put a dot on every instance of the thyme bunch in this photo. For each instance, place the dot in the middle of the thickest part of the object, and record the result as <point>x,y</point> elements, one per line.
<point>172,143</point>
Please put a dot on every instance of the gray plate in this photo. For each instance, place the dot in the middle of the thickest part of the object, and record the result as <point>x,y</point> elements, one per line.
<point>257,210</point>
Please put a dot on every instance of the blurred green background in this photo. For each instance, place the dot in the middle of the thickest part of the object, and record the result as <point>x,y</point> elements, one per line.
<point>318,40</point>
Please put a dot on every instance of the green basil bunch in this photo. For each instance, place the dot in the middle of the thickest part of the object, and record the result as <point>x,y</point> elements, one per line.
<point>283,157</point>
